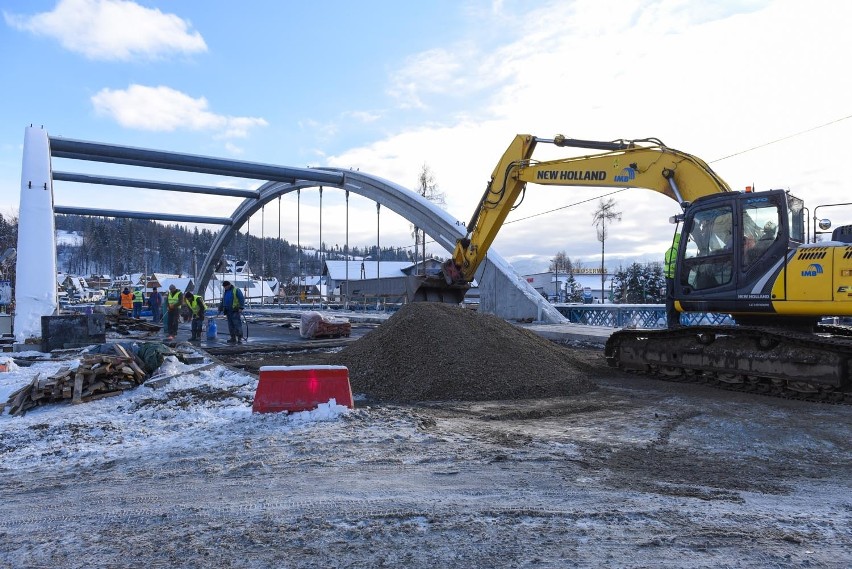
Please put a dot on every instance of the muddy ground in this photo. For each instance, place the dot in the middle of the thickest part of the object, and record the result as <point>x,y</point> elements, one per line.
<point>635,473</point>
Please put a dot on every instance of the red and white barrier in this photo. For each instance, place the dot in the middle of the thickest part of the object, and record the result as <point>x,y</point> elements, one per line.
<point>301,388</point>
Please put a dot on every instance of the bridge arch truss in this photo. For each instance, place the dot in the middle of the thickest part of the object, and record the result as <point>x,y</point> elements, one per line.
<point>503,293</point>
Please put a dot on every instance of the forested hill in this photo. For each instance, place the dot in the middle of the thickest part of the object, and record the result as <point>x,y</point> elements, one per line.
<point>118,246</point>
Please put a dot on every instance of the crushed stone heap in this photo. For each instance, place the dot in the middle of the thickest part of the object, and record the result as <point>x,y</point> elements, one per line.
<point>439,352</point>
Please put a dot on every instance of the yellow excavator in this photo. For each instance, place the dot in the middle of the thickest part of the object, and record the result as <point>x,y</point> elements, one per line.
<point>740,253</point>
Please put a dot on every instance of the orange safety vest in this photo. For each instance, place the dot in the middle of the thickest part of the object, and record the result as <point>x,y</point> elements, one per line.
<point>127,301</point>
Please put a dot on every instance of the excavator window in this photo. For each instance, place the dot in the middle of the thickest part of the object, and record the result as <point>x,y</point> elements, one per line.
<point>708,255</point>
<point>796,217</point>
<point>759,230</point>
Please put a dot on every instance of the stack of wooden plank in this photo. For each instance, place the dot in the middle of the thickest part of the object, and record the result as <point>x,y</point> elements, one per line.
<point>124,324</point>
<point>97,376</point>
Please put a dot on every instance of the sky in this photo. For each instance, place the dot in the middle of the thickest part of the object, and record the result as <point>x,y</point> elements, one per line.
<point>757,88</point>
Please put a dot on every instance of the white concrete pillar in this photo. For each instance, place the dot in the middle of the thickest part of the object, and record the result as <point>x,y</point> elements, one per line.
<point>35,285</point>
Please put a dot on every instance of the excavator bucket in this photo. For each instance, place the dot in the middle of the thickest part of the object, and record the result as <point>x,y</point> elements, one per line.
<point>434,288</point>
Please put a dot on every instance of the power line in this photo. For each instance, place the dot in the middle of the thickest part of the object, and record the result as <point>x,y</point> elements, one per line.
<point>783,138</point>
<point>717,160</point>
<point>623,189</point>
<point>564,207</point>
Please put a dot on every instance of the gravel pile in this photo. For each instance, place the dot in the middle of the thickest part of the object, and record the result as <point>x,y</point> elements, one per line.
<point>440,352</point>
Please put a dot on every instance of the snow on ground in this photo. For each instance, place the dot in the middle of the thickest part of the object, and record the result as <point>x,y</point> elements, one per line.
<point>633,475</point>
<point>69,238</point>
<point>191,410</point>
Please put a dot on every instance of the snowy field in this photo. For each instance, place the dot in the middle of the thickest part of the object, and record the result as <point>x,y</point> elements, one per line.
<point>637,474</point>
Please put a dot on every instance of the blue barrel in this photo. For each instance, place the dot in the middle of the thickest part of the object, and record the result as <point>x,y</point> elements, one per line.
<point>211,329</point>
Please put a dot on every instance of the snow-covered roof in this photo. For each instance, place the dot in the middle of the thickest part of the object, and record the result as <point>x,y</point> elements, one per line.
<point>591,281</point>
<point>181,283</point>
<point>306,280</point>
<point>386,269</point>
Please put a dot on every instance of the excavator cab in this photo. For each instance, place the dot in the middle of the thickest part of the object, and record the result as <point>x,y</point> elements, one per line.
<point>732,244</point>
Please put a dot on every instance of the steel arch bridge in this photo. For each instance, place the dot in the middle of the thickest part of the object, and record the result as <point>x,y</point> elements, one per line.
<point>502,292</point>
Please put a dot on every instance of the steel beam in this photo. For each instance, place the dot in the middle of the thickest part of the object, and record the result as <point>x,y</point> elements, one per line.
<point>152,185</point>
<point>142,215</point>
<point>132,156</point>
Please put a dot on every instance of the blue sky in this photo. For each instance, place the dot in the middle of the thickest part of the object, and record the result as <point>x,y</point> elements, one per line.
<point>387,86</point>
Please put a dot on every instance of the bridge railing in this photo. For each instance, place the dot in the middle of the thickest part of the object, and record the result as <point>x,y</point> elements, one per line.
<point>633,315</point>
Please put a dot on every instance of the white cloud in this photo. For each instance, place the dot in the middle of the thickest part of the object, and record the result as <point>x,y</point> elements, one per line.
<point>166,109</point>
<point>430,72</point>
<point>233,149</point>
<point>112,30</point>
<point>321,131</point>
<point>711,79</point>
<point>365,117</point>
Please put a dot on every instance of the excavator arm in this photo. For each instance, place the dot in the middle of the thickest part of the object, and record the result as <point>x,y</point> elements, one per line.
<point>647,164</point>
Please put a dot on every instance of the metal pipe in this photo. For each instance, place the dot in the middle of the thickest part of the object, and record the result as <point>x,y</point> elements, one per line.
<point>579,143</point>
<point>816,219</point>
<point>669,175</point>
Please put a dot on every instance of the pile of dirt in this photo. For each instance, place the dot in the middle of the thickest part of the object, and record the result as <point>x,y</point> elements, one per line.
<point>439,352</point>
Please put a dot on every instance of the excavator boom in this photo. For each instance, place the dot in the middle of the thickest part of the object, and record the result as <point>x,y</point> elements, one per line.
<point>647,164</point>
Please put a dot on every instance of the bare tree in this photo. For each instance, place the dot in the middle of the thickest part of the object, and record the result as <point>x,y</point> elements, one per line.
<point>428,188</point>
<point>561,264</point>
<point>603,214</point>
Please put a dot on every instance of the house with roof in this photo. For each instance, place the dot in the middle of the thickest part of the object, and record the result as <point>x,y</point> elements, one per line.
<point>589,280</point>
<point>76,289</point>
<point>371,281</point>
<point>310,288</point>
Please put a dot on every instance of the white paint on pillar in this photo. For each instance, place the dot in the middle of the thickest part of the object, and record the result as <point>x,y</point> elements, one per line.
<point>35,288</point>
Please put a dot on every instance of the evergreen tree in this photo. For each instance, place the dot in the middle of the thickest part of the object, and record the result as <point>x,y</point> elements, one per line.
<point>8,239</point>
<point>573,290</point>
<point>115,246</point>
<point>639,284</point>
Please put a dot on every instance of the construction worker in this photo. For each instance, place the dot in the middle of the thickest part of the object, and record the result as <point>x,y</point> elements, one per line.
<point>672,315</point>
<point>232,303</point>
<point>138,300</point>
<point>155,303</point>
<point>197,306</point>
<point>126,300</point>
<point>174,299</point>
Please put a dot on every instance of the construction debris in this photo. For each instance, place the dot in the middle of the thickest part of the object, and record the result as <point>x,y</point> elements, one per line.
<point>317,325</point>
<point>124,324</point>
<point>97,376</point>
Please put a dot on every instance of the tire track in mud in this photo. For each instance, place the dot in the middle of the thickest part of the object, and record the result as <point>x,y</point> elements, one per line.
<point>131,502</point>
<point>569,516</point>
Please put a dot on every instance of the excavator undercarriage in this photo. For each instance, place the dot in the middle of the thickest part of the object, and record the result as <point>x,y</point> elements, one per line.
<point>799,365</point>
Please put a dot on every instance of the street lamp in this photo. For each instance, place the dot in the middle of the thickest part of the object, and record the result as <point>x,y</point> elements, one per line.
<point>556,271</point>
<point>642,282</point>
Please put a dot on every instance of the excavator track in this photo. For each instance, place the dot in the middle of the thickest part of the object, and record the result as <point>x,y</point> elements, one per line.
<point>795,365</point>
